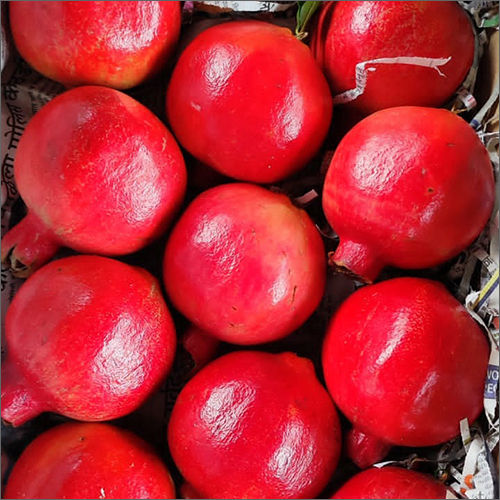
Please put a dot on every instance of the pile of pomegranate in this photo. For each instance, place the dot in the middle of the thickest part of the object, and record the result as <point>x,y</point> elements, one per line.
<point>288,303</point>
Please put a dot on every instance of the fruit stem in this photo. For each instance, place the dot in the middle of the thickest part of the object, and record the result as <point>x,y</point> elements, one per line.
<point>365,449</point>
<point>18,404</point>
<point>356,260</point>
<point>28,245</point>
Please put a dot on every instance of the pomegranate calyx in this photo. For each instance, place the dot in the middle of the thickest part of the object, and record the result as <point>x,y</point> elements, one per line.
<point>365,449</point>
<point>356,260</point>
<point>18,403</point>
<point>28,245</point>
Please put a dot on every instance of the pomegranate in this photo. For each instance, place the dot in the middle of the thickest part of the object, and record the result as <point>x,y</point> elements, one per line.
<point>382,54</point>
<point>88,337</point>
<point>409,187</point>
<point>98,172</point>
<point>255,425</point>
<point>247,99</point>
<point>365,449</point>
<point>405,362</point>
<point>78,460</point>
<point>244,264</point>
<point>391,483</point>
<point>201,346</point>
<point>117,44</point>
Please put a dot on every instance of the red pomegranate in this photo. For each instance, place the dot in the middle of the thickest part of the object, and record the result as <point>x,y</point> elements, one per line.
<point>409,187</point>
<point>88,337</point>
<point>365,449</point>
<point>391,483</point>
<point>405,362</point>
<point>200,345</point>
<point>117,44</point>
<point>78,460</point>
<point>382,54</point>
<point>248,99</point>
<point>255,425</point>
<point>244,264</point>
<point>98,172</point>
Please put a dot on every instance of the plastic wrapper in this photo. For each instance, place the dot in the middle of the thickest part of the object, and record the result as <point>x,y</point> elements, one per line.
<point>467,463</point>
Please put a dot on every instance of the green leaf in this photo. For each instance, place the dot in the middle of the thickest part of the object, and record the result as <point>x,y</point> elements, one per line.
<point>305,11</point>
<point>490,23</point>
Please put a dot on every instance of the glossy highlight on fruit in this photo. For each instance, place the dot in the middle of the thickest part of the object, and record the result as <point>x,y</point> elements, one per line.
<point>377,55</point>
<point>391,483</point>
<point>87,337</point>
<point>247,99</point>
<point>115,44</point>
<point>244,264</point>
<point>255,425</point>
<point>408,187</point>
<point>98,172</point>
<point>77,460</point>
<point>405,362</point>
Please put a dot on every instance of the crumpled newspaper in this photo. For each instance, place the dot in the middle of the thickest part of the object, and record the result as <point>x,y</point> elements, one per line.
<point>476,475</point>
<point>242,6</point>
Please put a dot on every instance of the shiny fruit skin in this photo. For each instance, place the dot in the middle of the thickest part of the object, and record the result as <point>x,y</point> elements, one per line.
<point>78,460</point>
<point>391,483</point>
<point>115,44</point>
<point>87,337</point>
<point>349,33</point>
<point>405,362</point>
<point>255,425</point>
<point>247,99</point>
<point>244,264</point>
<point>409,187</point>
<point>99,173</point>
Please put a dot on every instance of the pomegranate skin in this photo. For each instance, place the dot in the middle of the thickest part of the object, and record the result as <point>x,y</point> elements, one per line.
<point>365,449</point>
<point>391,483</point>
<point>244,264</point>
<point>405,362</point>
<point>247,99</point>
<point>261,420</point>
<point>409,187</point>
<point>350,33</point>
<point>78,460</point>
<point>87,337</point>
<point>98,172</point>
<point>200,346</point>
<point>116,44</point>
